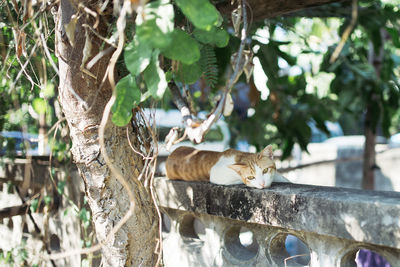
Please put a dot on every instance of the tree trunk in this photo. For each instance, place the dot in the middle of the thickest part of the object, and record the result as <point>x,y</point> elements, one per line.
<point>369,166</point>
<point>83,100</point>
<point>368,181</point>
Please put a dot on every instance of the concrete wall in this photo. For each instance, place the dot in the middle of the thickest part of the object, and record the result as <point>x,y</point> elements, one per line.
<point>206,223</point>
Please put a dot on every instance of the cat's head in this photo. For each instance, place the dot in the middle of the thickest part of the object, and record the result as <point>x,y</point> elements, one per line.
<point>256,170</point>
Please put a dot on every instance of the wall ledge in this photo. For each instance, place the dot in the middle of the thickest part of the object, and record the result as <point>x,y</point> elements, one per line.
<point>364,216</point>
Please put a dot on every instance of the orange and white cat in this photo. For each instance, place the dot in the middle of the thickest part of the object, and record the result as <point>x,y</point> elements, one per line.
<point>225,168</point>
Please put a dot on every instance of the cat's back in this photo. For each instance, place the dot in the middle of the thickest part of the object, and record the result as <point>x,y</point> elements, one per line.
<point>188,163</point>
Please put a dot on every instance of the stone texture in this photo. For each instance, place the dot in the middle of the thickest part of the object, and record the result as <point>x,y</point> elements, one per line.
<point>333,222</point>
<point>218,245</point>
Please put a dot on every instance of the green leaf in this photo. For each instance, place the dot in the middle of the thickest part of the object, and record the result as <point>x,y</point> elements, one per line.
<point>9,257</point>
<point>84,215</point>
<point>183,48</point>
<point>66,211</point>
<point>221,38</point>
<point>150,34</point>
<point>127,97</point>
<point>394,96</point>
<point>394,34</point>
<point>154,26</point>
<point>88,243</point>
<point>189,74</point>
<point>137,57</point>
<point>34,205</point>
<point>48,91</point>
<point>287,147</point>
<point>168,76</point>
<point>205,37</point>
<point>39,105</point>
<point>303,133</point>
<point>10,187</point>
<point>47,200</point>
<point>23,254</point>
<point>288,58</point>
<point>215,36</point>
<point>154,78</point>
<point>201,13</point>
<point>319,121</point>
<point>60,187</point>
<point>386,121</point>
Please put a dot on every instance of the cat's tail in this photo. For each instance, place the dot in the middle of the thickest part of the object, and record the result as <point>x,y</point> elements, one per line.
<point>279,178</point>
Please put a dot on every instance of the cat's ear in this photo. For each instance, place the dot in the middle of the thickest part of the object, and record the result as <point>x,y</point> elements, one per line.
<point>237,167</point>
<point>267,152</point>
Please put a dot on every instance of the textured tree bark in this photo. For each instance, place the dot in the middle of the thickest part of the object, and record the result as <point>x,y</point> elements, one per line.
<point>134,244</point>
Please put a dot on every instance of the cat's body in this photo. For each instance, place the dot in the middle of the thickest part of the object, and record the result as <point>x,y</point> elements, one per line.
<point>226,168</point>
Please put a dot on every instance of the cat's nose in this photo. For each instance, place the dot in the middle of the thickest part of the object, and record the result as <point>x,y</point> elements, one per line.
<point>262,185</point>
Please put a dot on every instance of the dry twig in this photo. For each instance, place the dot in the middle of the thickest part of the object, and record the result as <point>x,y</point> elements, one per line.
<point>292,257</point>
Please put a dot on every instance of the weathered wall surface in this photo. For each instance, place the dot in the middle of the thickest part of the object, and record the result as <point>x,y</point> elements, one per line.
<point>334,223</point>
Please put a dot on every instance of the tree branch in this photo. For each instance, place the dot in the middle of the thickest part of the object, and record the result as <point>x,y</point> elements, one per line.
<point>346,33</point>
<point>194,131</point>
<point>273,8</point>
<point>181,105</point>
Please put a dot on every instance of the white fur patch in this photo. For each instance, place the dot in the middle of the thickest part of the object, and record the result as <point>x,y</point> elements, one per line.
<point>220,173</point>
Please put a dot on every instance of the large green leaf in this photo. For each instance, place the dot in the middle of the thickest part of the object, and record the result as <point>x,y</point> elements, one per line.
<point>302,132</point>
<point>155,24</point>
<point>150,34</point>
<point>201,13</point>
<point>394,34</point>
<point>48,91</point>
<point>183,48</point>
<point>154,78</point>
<point>215,36</point>
<point>137,57</point>
<point>287,147</point>
<point>39,105</point>
<point>127,97</point>
<point>189,74</point>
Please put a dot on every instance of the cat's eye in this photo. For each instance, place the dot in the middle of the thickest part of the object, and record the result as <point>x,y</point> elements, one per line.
<point>266,170</point>
<point>250,178</point>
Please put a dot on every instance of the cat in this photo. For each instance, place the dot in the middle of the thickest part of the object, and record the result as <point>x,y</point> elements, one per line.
<point>224,168</point>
